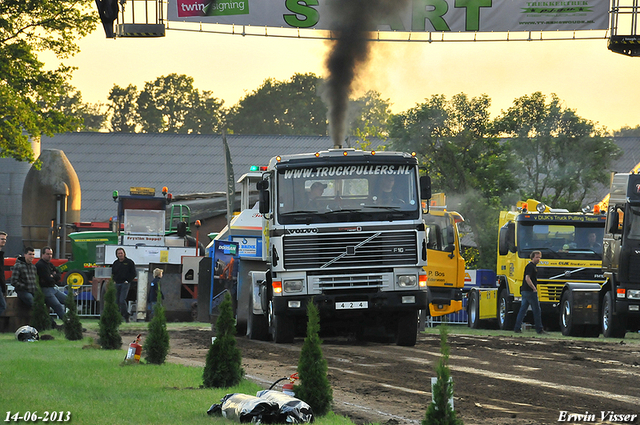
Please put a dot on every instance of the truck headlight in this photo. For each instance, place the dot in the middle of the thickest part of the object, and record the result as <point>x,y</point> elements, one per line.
<point>292,285</point>
<point>407,281</point>
<point>633,294</point>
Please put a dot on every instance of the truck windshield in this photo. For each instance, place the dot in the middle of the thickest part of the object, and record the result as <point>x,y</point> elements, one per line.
<point>561,240</point>
<point>363,192</point>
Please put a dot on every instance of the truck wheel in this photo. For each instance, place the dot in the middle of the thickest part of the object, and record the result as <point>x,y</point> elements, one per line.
<point>258,325</point>
<point>506,318</point>
<point>282,327</point>
<point>567,326</point>
<point>473,316</point>
<point>76,278</point>
<point>611,326</point>
<point>407,333</point>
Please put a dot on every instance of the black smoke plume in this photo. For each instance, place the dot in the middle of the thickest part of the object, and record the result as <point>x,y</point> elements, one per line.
<point>352,21</point>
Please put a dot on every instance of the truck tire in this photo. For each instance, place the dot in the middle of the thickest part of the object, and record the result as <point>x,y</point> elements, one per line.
<point>611,324</point>
<point>75,278</point>
<point>407,333</point>
<point>282,327</point>
<point>473,313</point>
<point>591,331</point>
<point>506,318</point>
<point>257,325</point>
<point>567,327</point>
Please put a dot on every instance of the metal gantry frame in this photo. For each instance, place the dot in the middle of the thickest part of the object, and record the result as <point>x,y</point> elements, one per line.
<point>624,38</point>
<point>141,18</point>
<point>146,18</point>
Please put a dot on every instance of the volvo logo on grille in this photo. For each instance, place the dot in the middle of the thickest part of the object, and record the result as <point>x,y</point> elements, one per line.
<point>311,230</point>
<point>351,250</point>
<point>350,229</point>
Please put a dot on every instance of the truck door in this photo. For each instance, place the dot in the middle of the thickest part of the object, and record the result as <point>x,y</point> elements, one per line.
<point>445,265</point>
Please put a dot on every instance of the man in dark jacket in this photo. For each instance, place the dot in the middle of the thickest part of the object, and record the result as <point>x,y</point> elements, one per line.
<point>23,277</point>
<point>3,285</point>
<point>123,271</point>
<point>49,278</point>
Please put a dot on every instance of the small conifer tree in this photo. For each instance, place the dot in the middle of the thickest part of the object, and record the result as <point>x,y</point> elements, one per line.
<point>40,318</point>
<point>110,319</point>
<point>72,325</point>
<point>314,387</point>
<point>156,345</point>
<point>223,366</point>
<point>440,412</point>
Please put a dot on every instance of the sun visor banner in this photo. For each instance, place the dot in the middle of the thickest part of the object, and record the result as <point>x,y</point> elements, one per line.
<point>345,171</point>
<point>410,15</point>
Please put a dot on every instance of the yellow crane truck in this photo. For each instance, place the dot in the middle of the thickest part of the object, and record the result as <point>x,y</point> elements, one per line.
<point>570,256</point>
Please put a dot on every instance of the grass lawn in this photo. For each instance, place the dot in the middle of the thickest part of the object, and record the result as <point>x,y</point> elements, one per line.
<point>93,385</point>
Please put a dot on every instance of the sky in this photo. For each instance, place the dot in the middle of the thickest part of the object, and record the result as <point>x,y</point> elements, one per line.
<point>600,85</point>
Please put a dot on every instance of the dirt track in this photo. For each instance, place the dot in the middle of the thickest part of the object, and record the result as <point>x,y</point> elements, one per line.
<point>508,379</point>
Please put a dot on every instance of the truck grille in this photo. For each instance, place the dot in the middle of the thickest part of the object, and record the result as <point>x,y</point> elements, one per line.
<point>551,280</point>
<point>570,274</point>
<point>549,293</point>
<point>358,281</point>
<point>354,250</point>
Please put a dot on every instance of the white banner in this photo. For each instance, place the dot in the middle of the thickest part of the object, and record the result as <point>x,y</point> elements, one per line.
<point>415,15</point>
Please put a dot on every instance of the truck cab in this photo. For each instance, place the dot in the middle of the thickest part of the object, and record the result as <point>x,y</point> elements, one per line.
<point>344,229</point>
<point>445,267</point>
<point>621,259</point>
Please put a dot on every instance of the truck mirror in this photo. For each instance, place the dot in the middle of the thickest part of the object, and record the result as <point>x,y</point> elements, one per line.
<point>613,220</point>
<point>425,187</point>
<point>503,244</point>
<point>263,200</point>
<point>262,185</point>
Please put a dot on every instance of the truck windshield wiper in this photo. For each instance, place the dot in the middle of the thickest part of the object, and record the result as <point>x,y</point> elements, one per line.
<point>300,212</point>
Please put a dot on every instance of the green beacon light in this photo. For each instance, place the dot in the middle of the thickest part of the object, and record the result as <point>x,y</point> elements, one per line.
<point>115,196</point>
<point>254,168</point>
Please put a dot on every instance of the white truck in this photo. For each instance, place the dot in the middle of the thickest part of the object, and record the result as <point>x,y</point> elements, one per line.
<point>341,228</point>
<point>148,241</point>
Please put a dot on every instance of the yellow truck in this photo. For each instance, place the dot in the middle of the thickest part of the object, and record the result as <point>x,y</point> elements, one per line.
<point>445,264</point>
<point>568,256</point>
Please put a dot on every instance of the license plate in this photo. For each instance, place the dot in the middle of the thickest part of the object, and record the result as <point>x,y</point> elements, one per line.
<point>352,305</point>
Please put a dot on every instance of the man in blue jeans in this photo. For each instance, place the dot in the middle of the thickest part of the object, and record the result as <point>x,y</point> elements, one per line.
<point>49,279</point>
<point>529,292</point>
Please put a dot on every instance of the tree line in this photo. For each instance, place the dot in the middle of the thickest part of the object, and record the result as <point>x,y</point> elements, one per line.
<point>537,148</point>
<point>171,104</point>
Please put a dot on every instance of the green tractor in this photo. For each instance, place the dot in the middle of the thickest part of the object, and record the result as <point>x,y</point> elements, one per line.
<point>79,270</point>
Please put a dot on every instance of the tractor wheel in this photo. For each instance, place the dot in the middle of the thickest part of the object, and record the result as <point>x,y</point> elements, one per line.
<point>75,279</point>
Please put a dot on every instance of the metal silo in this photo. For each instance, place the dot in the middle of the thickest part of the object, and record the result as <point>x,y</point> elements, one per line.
<point>50,198</point>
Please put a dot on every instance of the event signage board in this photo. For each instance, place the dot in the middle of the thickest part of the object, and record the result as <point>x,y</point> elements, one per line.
<point>409,16</point>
